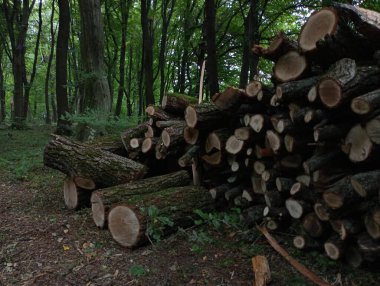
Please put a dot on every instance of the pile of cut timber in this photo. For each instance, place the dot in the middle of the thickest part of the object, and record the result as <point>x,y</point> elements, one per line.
<point>303,154</point>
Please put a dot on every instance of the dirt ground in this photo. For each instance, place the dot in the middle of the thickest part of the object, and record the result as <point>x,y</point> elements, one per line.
<point>42,243</point>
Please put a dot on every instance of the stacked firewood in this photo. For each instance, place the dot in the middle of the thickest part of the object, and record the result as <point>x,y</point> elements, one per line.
<point>301,155</point>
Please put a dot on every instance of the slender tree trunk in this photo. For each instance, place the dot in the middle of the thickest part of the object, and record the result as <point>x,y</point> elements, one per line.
<point>96,92</point>
<point>212,62</point>
<point>28,85</point>
<point>50,61</point>
<point>166,14</point>
<point>253,32</point>
<point>2,89</point>
<point>129,104</point>
<point>244,72</point>
<point>147,27</point>
<point>125,5</point>
<point>61,66</point>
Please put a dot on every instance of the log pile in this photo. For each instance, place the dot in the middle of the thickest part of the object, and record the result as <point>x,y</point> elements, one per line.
<point>299,155</point>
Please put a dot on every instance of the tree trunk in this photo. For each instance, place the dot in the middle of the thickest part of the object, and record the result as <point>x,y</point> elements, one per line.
<point>63,125</point>
<point>212,61</point>
<point>103,199</point>
<point>96,92</point>
<point>50,61</point>
<point>124,6</point>
<point>2,88</point>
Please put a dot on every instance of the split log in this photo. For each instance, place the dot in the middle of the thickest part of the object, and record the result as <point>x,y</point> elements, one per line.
<point>290,66</point>
<point>191,135</point>
<point>279,46</point>
<point>74,197</point>
<point>253,88</point>
<point>217,140</point>
<point>204,116</point>
<point>129,222</point>
<point>262,271</point>
<point>357,144</point>
<point>345,81</point>
<point>173,135</point>
<point>294,90</point>
<point>103,199</point>
<point>366,103</point>
<point>229,99</point>
<point>176,103</point>
<point>366,185</point>
<point>188,158</point>
<point>259,122</point>
<point>340,194</point>
<point>334,247</point>
<point>275,140</point>
<point>305,242</point>
<point>234,145</point>
<point>158,113</point>
<point>103,168</point>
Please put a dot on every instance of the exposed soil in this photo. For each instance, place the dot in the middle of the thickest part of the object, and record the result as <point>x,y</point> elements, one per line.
<point>42,243</point>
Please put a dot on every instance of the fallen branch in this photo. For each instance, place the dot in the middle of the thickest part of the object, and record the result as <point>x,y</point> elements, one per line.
<point>297,265</point>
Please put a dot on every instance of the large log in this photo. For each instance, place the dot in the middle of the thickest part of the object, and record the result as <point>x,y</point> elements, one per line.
<point>74,196</point>
<point>79,160</point>
<point>357,144</point>
<point>340,194</point>
<point>176,103</point>
<point>366,103</point>
<point>290,66</point>
<point>131,221</point>
<point>367,184</point>
<point>173,135</point>
<point>133,132</point>
<point>204,116</point>
<point>294,90</point>
<point>103,199</point>
<point>230,99</point>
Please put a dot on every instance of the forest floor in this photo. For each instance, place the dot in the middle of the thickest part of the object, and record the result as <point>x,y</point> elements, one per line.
<point>42,243</point>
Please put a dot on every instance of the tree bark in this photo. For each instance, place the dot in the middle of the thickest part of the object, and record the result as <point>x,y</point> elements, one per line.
<point>63,125</point>
<point>80,160</point>
<point>102,200</point>
<point>129,222</point>
<point>96,91</point>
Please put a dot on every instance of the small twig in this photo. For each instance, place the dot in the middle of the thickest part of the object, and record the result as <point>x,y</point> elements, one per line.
<point>297,265</point>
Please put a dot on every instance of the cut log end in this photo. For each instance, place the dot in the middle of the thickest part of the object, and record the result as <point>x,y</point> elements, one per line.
<point>360,106</point>
<point>274,140</point>
<point>312,95</point>
<point>294,208</point>
<point>333,200</point>
<point>125,226</point>
<point>318,25</point>
<point>234,145</point>
<point>98,211</point>
<point>299,242</point>
<point>257,122</point>
<point>70,193</point>
<point>253,88</point>
<point>330,92</point>
<point>165,138</point>
<point>85,183</point>
<point>332,250</point>
<point>358,143</point>
<point>147,145</point>
<point>290,66</point>
<point>191,135</point>
<point>191,116</point>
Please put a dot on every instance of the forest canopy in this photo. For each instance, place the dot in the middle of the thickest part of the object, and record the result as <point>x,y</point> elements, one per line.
<point>60,57</point>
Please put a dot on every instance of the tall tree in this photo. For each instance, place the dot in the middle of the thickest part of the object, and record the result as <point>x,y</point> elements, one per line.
<point>50,61</point>
<point>2,87</point>
<point>16,16</point>
<point>147,27</point>
<point>167,9</point>
<point>210,36</point>
<point>124,6</point>
<point>96,92</point>
<point>28,84</point>
<point>61,66</point>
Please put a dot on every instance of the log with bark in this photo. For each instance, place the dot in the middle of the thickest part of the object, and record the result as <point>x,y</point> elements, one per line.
<point>176,103</point>
<point>134,221</point>
<point>103,199</point>
<point>79,160</point>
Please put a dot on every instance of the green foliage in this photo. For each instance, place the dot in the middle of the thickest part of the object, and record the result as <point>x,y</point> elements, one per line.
<point>137,271</point>
<point>157,222</point>
<point>219,220</point>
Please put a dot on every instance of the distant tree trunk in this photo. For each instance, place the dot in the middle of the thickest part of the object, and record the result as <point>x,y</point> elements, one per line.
<point>130,62</point>
<point>166,14</point>
<point>74,89</point>
<point>2,88</point>
<point>61,66</point>
<point>16,16</point>
<point>250,60</point>
<point>96,92</point>
<point>147,27</point>
<point>28,85</point>
<point>50,61</point>
<point>125,5</point>
<point>212,61</point>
